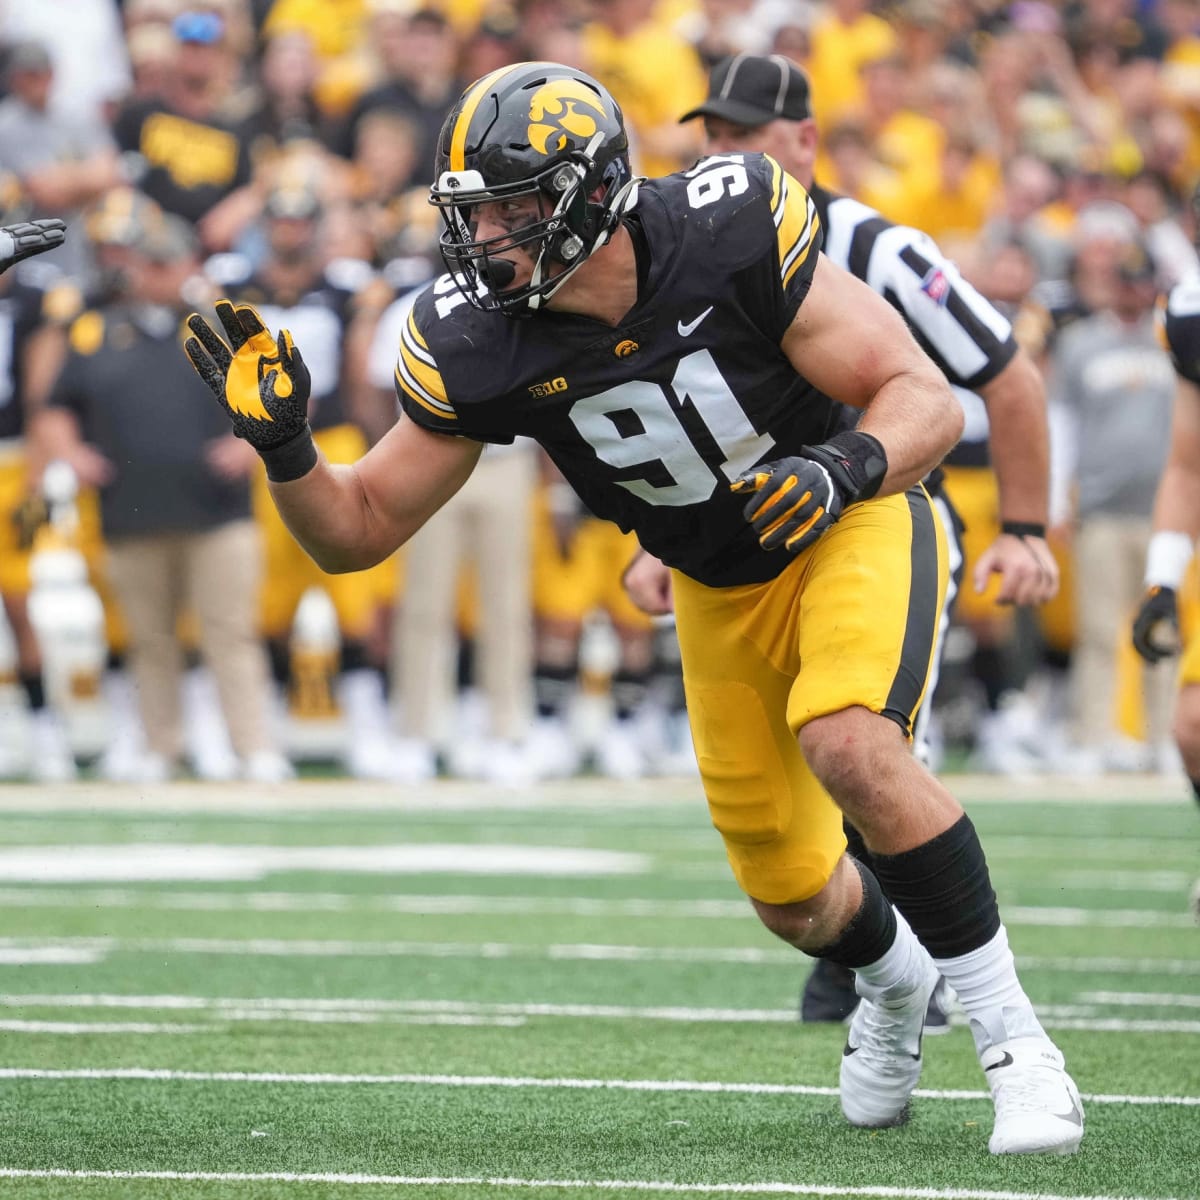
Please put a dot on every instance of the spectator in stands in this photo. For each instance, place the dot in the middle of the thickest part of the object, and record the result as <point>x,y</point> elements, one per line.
<point>62,162</point>
<point>126,414</point>
<point>184,150</point>
<point>419,54</point>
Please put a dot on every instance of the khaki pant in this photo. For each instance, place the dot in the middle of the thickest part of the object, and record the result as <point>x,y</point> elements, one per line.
<point>486,522</point>
<point>1110,562</point>
<point>216,576</point>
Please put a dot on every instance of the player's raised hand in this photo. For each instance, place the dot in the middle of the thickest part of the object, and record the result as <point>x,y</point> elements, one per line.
<point>261,382</point>
<point>27,238</point>
<point>1156,626</point>
<point>792,502</point>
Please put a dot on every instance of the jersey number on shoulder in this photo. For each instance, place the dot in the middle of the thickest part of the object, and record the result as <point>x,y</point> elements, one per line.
<point>714,177</point>
<point>603,421</point>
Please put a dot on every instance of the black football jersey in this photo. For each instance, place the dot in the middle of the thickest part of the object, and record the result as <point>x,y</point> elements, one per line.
<point>650,421</point>
<point>1181,328</point>
<point>23,304</point>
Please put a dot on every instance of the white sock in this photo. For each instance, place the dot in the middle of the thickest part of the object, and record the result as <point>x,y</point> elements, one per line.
<point>897,972</point>
<point>988,989</point>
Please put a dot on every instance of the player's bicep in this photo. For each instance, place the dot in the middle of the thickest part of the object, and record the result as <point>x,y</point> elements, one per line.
<point>410,473</point>
<point>846,340</point>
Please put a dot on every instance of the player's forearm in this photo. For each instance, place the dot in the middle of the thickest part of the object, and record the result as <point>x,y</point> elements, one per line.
<point>328,513</point>
<point>1177,504</point>
<point>918,422</point>
<point>1019,441</point>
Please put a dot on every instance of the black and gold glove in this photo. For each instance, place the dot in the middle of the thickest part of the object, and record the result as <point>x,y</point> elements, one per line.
<point>796,499</point>
<point>261,382</point>
<point>1156,626</point>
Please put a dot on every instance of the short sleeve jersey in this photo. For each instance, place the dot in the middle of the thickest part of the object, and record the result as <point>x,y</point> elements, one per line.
<point>651,420</point>
<point>1181,328</point>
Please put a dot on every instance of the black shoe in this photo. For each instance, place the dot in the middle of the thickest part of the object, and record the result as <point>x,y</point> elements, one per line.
<point>828,995</point>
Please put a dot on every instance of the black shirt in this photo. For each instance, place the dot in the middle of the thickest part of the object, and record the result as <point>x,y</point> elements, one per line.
<point>139,402</point>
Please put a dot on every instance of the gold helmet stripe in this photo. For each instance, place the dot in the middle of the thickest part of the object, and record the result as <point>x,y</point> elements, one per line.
<point>458,139</point>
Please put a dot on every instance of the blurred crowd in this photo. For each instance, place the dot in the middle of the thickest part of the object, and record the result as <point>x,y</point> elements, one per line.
<point>280,152</point>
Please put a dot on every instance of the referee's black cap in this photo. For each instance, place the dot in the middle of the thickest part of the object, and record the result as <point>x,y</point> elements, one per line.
<point>752,89</point>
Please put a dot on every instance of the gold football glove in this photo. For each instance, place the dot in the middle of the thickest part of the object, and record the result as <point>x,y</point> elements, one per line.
<point>261,381</point>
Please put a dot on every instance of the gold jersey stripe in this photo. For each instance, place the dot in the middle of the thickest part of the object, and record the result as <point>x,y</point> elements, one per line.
<point>458,139</point>
<point>417,373</point>
<point>796,220</point>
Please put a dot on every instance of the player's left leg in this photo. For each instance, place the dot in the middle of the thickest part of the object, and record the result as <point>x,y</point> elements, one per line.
<point>864,675</point>
<point>783,834</point>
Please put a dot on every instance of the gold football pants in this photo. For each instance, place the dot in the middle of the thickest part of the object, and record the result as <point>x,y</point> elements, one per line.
<point>851,622</point>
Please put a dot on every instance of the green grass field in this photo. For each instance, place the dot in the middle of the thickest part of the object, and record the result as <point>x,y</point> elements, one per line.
<point>332,990</point>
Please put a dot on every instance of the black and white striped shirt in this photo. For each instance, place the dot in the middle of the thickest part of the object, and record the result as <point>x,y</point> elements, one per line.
<point>962,332</point>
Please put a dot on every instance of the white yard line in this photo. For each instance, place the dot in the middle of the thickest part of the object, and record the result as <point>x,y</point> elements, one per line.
<point>474,904</point>
<point>594,1185</point>
<point>324,1079</point>
<point>346,795</point>
<point>555,951</point>
<point>375,1011</point>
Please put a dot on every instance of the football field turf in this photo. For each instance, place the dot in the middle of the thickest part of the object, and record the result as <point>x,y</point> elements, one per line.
<point>336,990</point>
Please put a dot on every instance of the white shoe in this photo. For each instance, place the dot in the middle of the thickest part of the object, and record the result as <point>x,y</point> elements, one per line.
<point>50,757</point>
<point>506,764</point>
<point>267,766</point>
<point>206,735</point>
<point>551,750</point>
<point>678,752</point>
<point>881,1062</point>
<point>619,754</point>
<point>148,767</point>
<point>1038,1110</point>
<point>412,761</point>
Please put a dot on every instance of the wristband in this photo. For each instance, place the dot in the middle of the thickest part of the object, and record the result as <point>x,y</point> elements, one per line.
<point>1167,558</point>
<point>857,461</point>
<point>1023,529</point>
<point>291,459</point>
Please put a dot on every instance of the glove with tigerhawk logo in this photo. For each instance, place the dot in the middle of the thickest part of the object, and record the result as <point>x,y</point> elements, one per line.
<point>794,500</point>
<point>261,382</point>
<point>1156,626</point>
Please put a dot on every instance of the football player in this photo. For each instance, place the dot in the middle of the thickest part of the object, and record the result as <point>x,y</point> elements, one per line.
<point>27,300</point>
<point>296,286</point>
<point>1176,527</point>
<point>673,344</point>
<point>762,104</point>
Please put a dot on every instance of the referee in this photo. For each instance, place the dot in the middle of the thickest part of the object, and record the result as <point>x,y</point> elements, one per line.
<point>761,104</point>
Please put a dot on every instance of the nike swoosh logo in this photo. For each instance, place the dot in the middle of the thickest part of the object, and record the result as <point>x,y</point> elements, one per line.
<point>1073,1115</point>
<point>1006,1061</point>
<point>848,1050</point>
<point>691,327</point>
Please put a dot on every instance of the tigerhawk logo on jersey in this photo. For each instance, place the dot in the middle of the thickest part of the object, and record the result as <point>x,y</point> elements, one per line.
<point>555,109</point>
<point>626,348</point>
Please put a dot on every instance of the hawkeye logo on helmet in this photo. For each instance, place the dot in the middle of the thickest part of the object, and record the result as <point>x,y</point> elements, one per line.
<point>561,110</point>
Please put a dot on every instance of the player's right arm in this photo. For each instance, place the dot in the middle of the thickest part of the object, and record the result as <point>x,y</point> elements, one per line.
<point>347,517</point>
<point>1177,502</point>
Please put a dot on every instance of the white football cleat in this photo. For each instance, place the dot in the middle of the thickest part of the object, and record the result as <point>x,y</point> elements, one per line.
<point>881,1062</point>
<point>50,757</point>
<point>1038,1110</point>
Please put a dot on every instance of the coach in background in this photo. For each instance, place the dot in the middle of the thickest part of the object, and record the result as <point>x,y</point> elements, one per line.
<point>761,104</point>
<point>129,415</point>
